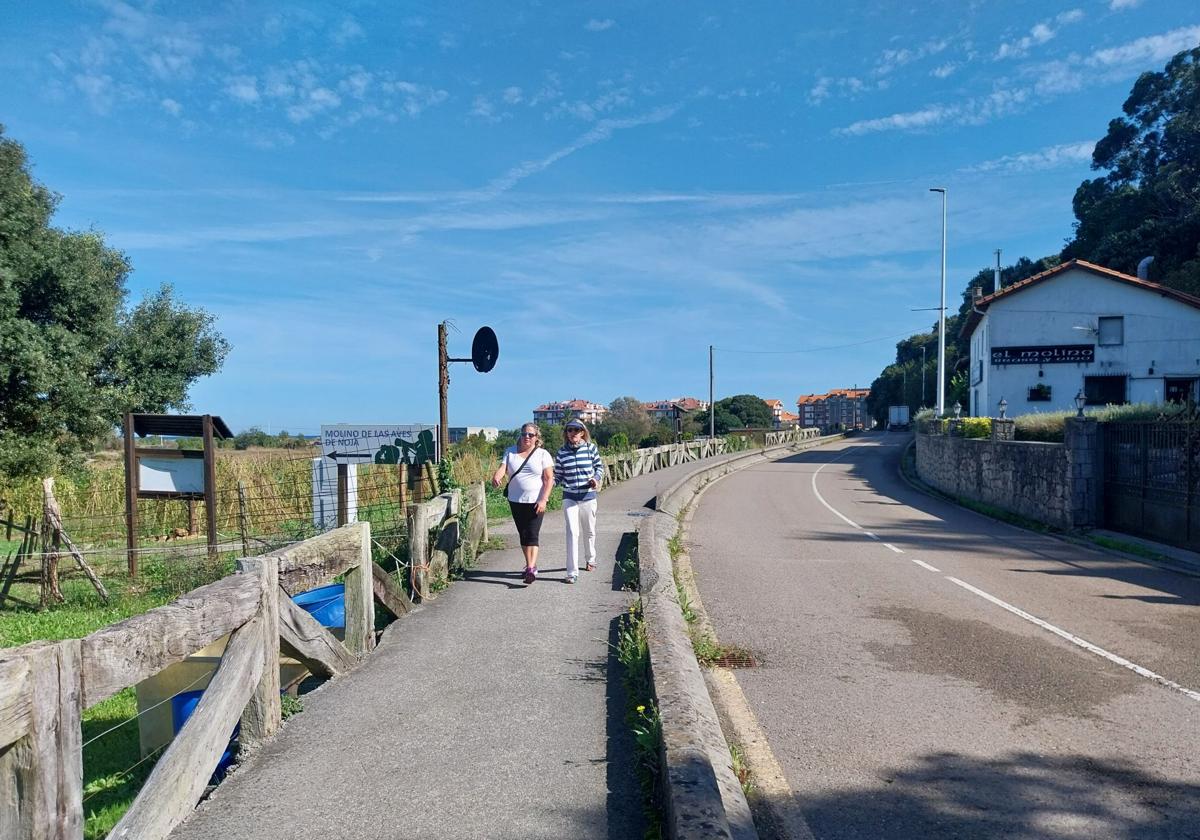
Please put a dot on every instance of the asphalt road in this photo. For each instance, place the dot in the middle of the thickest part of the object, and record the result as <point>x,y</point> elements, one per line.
<point>930,673</point>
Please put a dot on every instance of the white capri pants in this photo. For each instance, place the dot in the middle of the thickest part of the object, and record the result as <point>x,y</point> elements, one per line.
<point>581,527</point>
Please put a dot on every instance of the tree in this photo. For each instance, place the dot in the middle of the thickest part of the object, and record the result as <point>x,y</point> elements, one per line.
<point>1148,203</point>
<point>747,410</point>
<point>628,415</point>
<point>72,358</point>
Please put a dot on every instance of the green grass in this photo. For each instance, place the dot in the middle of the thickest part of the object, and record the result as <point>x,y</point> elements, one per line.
<point>109,785</point>
<point>1128,547</point>
<point>497,504</point>
<point>641,714</point>
<point>628,564</point>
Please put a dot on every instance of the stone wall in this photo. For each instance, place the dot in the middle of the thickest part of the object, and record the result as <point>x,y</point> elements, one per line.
<point>1024,477</point>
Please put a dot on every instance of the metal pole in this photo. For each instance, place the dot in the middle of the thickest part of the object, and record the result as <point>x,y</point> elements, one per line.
<point>941,368</point>
<point>922,376</point>
<point>712,406</point>
<point>131,490</point>
<point>443,386</point>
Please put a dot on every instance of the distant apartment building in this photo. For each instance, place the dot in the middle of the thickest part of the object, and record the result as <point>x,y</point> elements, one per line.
<point>842,407</point>
<point>673,408</point>
<point>776,407</point>
<point>461,433</point>
<point>555,413</point>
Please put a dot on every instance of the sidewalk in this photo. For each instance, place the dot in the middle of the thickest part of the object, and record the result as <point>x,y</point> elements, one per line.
<point>1174,557</point>
<point>495,711</point>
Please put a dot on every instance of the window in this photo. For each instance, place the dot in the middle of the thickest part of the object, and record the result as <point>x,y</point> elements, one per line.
<point>1112,330</point>
<point>1104,390</point>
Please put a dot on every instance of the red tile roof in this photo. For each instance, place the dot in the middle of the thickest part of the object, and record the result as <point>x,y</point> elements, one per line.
<point>973,319</point>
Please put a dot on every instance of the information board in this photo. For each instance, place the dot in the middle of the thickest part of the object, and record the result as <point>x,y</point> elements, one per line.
<point>347,443</point>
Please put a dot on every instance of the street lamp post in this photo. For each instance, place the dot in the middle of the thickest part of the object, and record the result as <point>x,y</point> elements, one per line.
<point>941,366</point>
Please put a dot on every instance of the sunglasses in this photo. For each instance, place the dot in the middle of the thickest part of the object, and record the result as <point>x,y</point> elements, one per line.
<point>529,434</point>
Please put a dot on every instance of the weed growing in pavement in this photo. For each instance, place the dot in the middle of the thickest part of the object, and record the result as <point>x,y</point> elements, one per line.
<point>740,768</point>
<point>628,564</point>
<point>290,706</point>
<point>641,713</point>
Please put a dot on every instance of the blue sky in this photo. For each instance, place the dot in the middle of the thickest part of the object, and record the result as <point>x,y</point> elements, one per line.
<point>612,187</point>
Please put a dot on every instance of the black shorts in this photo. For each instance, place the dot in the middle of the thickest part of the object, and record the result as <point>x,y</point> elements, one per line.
<point>528,521</point>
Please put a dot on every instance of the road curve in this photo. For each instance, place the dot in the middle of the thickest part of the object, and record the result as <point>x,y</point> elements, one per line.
<point>930,673</point>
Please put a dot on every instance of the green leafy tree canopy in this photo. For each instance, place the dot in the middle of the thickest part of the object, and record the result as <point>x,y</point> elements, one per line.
<point>72,357</point>
<point>742,411</point>
<point>1148,203</point>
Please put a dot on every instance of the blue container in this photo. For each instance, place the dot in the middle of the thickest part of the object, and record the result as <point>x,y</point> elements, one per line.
<point>182,706</point>
<point>327,604</point>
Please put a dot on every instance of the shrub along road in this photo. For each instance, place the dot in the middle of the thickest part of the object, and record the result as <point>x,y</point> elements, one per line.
<point>928,672</point>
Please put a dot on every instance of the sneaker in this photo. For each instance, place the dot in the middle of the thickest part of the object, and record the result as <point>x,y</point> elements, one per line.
<point>530,575</point>
<point>572,578</point>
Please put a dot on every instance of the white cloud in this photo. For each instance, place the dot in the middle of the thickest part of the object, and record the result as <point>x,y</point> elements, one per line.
<point>483,109</point>
<point>1051,157</point>
<point>1122,5</point>
<point>595,25</point>
<point>347,31</point>
<point>944,71</point>
<point>892,59</point>
<point>171,107</point>
<point>906,121</point>
<point>602,131</point>
<point>1153,49</point>
<point>512,95</point>
<point>99,91</point>
<point>1040,34</point>
<point>243,88</point>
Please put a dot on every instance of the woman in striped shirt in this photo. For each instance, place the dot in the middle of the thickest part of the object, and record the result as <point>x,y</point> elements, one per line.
<point>578,470</point>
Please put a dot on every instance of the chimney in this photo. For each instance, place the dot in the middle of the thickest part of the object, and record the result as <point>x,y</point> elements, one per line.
<point>976,294</point>
<point>1144,268</point>
<point>998,285</point>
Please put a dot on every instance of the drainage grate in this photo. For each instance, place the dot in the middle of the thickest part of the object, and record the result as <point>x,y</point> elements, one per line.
<point>740,659</point>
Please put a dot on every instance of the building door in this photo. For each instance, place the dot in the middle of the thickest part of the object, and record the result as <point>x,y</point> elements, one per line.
<point>1179,390</point>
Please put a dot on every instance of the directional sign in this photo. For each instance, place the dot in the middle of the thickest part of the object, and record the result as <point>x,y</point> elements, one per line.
<point>379,444</point>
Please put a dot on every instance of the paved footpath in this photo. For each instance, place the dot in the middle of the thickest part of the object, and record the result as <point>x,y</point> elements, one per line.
<point>496,711</point>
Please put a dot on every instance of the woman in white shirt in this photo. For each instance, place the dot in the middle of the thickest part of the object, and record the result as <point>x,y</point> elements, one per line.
<point>530,471</point>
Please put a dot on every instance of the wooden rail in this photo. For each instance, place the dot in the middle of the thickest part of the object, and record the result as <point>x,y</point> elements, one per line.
<point>46,686</point>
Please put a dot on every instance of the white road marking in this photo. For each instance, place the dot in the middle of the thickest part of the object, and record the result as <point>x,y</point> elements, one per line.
<point>1083,643</point>
<point>1045,625</point>
<point>821,498</point>
<point>869,534</point>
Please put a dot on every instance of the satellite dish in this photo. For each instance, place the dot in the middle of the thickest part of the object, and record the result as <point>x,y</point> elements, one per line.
<point>484,350</point>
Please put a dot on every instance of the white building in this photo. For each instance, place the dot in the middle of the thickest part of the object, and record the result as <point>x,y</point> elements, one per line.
<point>460,433</point>
<point>1082,328</point>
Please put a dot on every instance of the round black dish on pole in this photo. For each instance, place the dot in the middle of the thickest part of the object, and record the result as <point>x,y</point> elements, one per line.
<point>484,350</point>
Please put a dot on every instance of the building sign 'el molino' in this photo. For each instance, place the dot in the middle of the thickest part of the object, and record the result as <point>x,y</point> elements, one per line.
<point>1051,354</point>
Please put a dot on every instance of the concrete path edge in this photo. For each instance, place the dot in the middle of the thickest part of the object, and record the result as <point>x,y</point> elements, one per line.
<point>702,795</point>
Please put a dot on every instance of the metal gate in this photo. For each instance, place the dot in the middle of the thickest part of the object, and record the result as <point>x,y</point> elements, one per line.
<point>1151,478</point>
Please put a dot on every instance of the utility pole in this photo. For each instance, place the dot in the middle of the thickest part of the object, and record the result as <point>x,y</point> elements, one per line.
<point>443,387</point>
<point>712,406</point>
<point>941,369</point>
<point>996,284</point>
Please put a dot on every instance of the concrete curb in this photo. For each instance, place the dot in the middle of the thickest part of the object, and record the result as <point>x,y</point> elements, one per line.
<point>702,795</point>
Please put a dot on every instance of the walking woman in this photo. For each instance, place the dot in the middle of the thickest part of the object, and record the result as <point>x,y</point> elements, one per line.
<point>577,467</point>
<point>530,471</point>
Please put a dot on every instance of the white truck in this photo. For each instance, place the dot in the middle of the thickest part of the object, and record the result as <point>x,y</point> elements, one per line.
<point>897,417</point>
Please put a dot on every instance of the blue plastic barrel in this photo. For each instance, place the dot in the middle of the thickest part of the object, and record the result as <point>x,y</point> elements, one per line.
<point>327,604</point>
<point>182,706</point>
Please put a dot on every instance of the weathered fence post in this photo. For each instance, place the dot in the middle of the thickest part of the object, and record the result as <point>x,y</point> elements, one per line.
<point>41,775</point>
<point>263,712</point>
<point>50,545</point>
<point>360,599</point>
<point>242,517</point>
<point>418,552</point>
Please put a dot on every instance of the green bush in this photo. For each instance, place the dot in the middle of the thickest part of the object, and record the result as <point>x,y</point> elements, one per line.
<point>976,427</point>
<point>1050,426</point>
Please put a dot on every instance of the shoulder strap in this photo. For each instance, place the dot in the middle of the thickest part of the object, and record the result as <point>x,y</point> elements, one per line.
<point>518,469</point>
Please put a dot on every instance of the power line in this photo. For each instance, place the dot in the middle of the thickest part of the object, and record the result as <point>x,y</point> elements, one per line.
<point>817,349</point>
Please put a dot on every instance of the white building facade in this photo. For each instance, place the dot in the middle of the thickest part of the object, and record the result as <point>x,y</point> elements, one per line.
<point>1082,328</point>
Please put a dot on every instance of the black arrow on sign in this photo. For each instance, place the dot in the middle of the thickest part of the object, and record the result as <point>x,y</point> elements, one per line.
<point>335,455</point>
